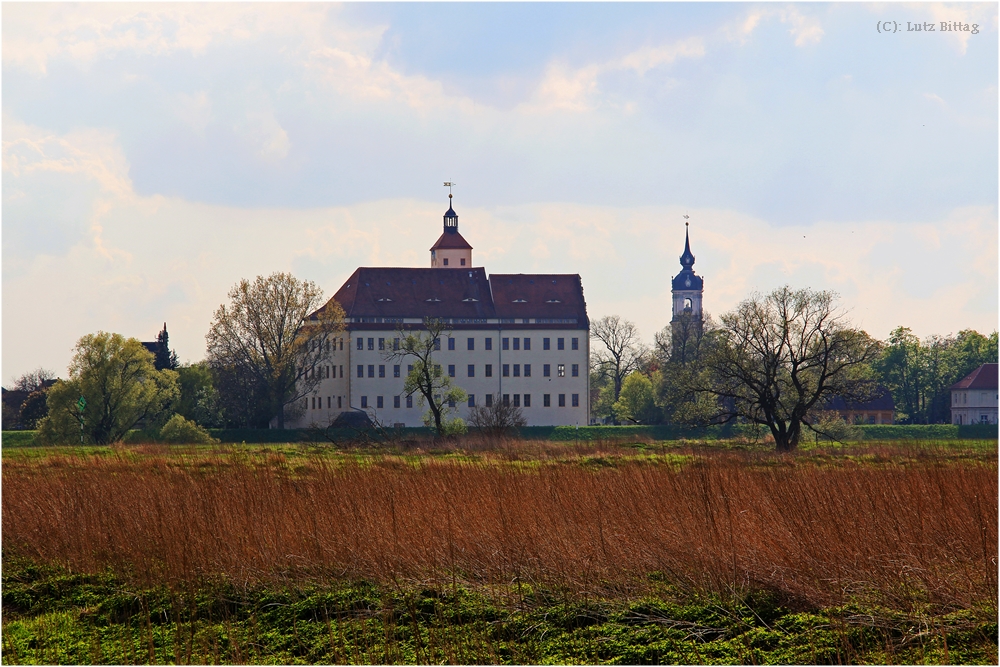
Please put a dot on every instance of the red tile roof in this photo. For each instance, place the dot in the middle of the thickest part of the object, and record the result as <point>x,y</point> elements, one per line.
<point>984,377</point>
<point>466,293</point>
<point>555,296</point>
<point>451,241</point>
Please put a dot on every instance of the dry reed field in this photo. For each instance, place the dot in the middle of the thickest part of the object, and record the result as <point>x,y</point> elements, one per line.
<point>920,533</point>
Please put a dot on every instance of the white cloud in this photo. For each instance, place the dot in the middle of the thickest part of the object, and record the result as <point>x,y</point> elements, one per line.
<point>805,29</point>
<point>564,88</point>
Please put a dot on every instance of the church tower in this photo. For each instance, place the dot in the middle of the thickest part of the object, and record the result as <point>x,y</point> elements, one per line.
<point>451,250</point>
<point>687,289</point>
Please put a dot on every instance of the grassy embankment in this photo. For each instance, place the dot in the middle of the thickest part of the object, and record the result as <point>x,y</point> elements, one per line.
<point>532,553</point>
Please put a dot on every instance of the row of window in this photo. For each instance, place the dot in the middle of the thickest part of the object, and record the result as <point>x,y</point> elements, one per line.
<point>470,370</point>
<point>317,402</point>
<point>505,343</point>
<point>323,372</point>
<point>519,400</point>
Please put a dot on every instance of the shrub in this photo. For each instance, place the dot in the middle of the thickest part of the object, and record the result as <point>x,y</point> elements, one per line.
<point>180,430</point>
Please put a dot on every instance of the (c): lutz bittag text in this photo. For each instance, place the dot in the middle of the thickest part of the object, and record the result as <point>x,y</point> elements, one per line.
<point>927,26</point>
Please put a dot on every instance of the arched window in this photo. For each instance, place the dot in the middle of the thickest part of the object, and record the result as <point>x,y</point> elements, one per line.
<point>687,304</point>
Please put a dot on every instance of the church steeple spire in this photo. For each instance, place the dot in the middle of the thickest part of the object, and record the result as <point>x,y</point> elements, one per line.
<point>451,250</point>
<point>687,259</point>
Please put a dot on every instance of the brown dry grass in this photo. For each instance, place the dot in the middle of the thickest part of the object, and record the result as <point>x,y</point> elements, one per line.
<point>901,534</point>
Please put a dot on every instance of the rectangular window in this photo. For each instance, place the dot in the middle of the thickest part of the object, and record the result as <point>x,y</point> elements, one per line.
<point>560,343</point>
<point>561,370</point>
<point>451,370</point>
<point>489,370</point>
<point>517,343</point>
<point>576,344</point>
<point>409,401</point>
<point>341,371</point>
<point>575,370</point>
<point>546,370</point>
<point>361,343</point>
<point>527,370</point>
<point>437,343</point>
<point>381,343</point>
<point>341,344</point>
<point>364,401</point>
<point>395,401</point>
<point>437,370</point>
<point>361,371</point>
<point>562,400</point>
<point>527,400</point>
<point>381,370</point>
<point>517,400</point>
<point>472,370</point>
<point>489,343</point>
<point>505,343</point>
<point>371,370</point>
<point>489,400</point>
<point>546,344</point>
<point>527,344</point>
<point>329,402</point>
<point>395,344</point>
<point>546,401</point>
<point>371,343</point>
<point>506,370</point>
<point>339,405</point>
<point>506,399</point>
<point>471,343</point>
<point>451,343</point>
<point>378,402</point>
<point>395,371</point>
<point>451,404</point>
<point>409,368</point>
<point>576,400</point>
<point>517,370</point>
<point>313,402</point>
<point>472,400</point>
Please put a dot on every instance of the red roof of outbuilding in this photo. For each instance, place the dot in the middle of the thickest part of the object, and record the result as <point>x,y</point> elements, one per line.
<point>984,377</point>
<point>451,240</point>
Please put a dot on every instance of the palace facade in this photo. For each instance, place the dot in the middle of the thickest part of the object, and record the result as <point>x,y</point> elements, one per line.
<point>519,338</point>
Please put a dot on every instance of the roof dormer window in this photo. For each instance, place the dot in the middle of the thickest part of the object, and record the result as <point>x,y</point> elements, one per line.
<point>520,301</point>
<point>433,299</point>
<point>553,301</point>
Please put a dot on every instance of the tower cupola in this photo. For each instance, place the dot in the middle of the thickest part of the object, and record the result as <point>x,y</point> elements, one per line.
<point>450,219</point>
<point>451,251</point>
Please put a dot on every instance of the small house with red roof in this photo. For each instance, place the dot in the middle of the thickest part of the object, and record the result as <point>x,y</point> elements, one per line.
<point>974,397</point>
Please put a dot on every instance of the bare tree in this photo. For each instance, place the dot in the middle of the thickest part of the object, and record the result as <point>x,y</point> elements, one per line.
<point>433,387</point>
<point>269,341</point>
<point>623,351</point>
<point>780,356</point>
<point>34,380</point>
<point>498,421</point>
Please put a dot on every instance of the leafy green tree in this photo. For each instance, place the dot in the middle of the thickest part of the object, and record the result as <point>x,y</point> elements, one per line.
<point>432,387</point>
<point>680,350</point>
<point>120,389</point>
<point>636,402</point>
<point>782,355</point>
<point>199,400</point>
<point>602,397</point>
<point>266,346</point>
<point>184,431</point>
<point>34,409</point>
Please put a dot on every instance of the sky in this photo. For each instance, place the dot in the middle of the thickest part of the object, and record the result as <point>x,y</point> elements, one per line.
<point>156,154</point>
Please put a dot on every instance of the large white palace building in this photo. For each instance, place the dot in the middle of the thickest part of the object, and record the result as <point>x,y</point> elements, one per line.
<point>522,338</point>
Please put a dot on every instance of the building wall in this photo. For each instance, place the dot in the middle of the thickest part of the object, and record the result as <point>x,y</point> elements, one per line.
<point>353,391</point>
<point>969,406</point>
<point>458,258</point>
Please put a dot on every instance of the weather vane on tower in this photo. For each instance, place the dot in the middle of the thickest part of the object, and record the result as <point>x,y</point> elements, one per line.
<point>448,185</point>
